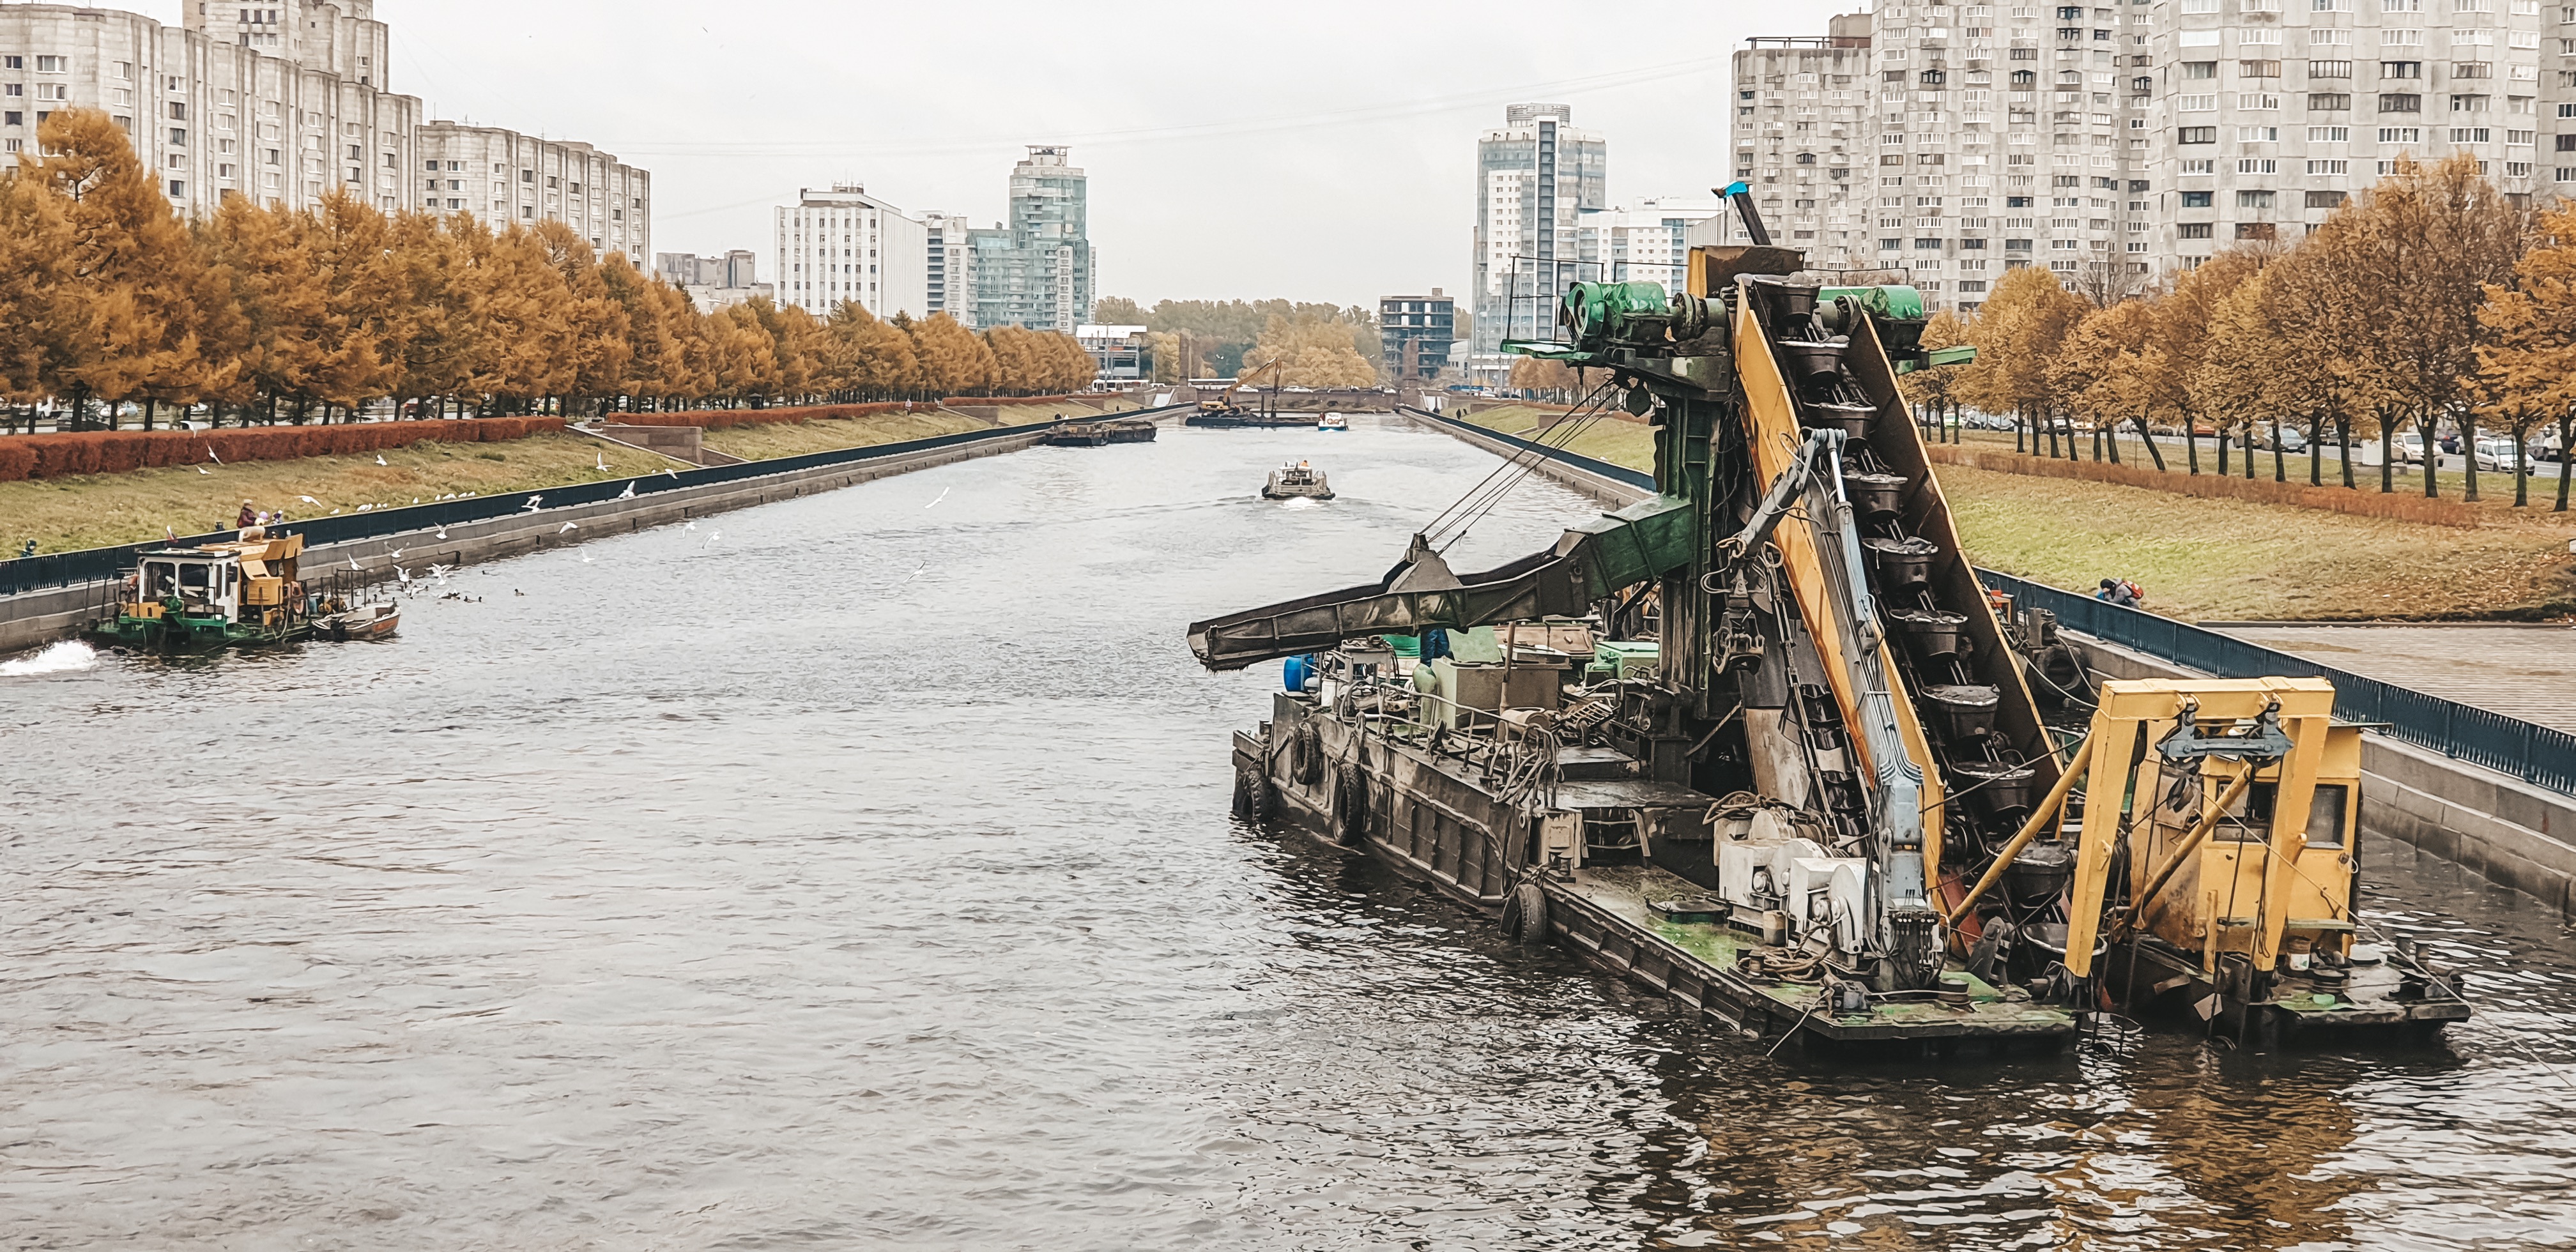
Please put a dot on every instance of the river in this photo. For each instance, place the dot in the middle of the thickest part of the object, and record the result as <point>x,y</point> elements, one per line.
<point>855,872</point>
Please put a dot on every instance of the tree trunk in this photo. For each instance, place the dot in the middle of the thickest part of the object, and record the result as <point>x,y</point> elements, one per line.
<point>2191,443</point>
<point>2316,452</point>
<point>2097,441</point>
<point>2222,450</point>
<point>2111,436</point>
<point>2566,457</point>
<point>2521,479</point>
<point>2343,443</point>
<point>2147,433</point>
<point>2432,456</point>
<point>2469,455</point>
<point>2387,456</point>
<point>2019,420</point>
<point>2280,467</point>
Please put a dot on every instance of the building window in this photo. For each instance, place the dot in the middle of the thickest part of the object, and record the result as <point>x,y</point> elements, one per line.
<point>2195,199</point>
<point>2197,134</point>
<point>2389,103</point>
<point>2195,230</point>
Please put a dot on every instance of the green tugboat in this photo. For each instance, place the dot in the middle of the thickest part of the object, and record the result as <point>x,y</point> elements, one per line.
<point>247,593</point>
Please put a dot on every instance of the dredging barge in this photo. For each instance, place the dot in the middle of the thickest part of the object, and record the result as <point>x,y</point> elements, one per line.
<point>248,593</point>
<point>1760,742</point>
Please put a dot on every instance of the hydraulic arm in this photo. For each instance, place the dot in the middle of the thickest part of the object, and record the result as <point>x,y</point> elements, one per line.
<point>1643,541</point>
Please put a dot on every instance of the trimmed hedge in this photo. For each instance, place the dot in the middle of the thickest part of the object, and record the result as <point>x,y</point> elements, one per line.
<point>116,451</point>
<point>732,419</point>
<point>2399,505</point>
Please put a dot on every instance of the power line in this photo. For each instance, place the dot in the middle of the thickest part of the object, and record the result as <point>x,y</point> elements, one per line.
<point>1386,111</point>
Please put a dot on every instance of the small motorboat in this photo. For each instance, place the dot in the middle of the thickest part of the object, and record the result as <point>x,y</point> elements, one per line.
<point>1333,421</point>
<point>1297,481</point>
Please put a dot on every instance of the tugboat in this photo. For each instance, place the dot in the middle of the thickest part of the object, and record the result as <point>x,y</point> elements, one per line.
<point>1333,421</point>
<point>1300,481</point>
<point>242,594</point>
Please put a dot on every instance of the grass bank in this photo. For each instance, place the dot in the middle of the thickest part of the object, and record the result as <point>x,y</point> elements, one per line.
<point>93,511</point>
<point>2212,559</point>
<point>761,443</point>
<point>101,510</point>
<point>1613,437</point>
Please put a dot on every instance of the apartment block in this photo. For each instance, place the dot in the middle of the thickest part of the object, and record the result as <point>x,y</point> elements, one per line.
<point>1647,243</point>
<point>2271,113</point>
<point>949,273</point>
<point>1534,178</point>
<point>1039,269</point>
<point>715,282</point>
<point>842,245</point>
<point>1417,334</point>
<point>1804,142</point>
<point>210,118</point>
<point>505,178</point>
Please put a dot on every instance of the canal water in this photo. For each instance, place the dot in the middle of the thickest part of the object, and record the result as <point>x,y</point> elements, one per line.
<point>855,872</point>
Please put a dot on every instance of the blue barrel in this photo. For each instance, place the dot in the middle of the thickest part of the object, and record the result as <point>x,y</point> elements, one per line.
<point>1297,671</point>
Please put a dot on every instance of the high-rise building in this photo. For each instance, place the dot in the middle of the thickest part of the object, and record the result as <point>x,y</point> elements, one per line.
<point>2115,144</point>
<point>1038,270</point>
<point>210,116</point>
<point>1804,141</point>
<point>1647,243</point>
<point>2269,117</point>
<point>1417,334</point>
<point>287,103</point>
<point>843,245</point>
<point>715,282</point>
<point>505,178</point>
<point>1534,176</point>
<point>950,266</point>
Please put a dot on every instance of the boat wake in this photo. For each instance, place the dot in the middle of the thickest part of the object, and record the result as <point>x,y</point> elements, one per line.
<point>68,657</point>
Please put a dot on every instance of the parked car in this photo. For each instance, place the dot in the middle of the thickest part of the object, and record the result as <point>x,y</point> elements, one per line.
<point>2409,448</point>
<point>2292,440</point>
<point>2544,447</point>
<point>2450,441</point>
<point>2495,454</point>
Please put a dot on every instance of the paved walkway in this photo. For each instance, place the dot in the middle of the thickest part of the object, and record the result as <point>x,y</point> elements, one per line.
<point>2527,672</point>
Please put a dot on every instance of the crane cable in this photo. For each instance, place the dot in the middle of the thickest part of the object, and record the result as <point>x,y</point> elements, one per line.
<point>1480,500</point>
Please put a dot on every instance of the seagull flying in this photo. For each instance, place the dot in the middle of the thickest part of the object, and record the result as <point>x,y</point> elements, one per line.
<point>439,572</point>
<point>690,527</point>
<point>353,564</point>
<point>403,574</point>
<point>442,532</point>
<point>568,526</point>
<point>532,503</point>
<point>397,554</point>
<point>210,455</point>
<point>585,558</point>
<point>380,458</point>
<point>627,494</point>
<point>712,536</point>
<point>603,461</point>
<point>943,494</point>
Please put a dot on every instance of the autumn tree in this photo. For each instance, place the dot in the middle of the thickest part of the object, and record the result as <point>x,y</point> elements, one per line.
<point>124,323</point>
<point>2101,373</point>
<point>953,361</point>
<point>35,250</point>
<point>2182,343</point>
<point>2018,333</point>
<point>1312,351</point>
<point>2426,243</point>
<point>2529,365</point>
<point>1933,392</point>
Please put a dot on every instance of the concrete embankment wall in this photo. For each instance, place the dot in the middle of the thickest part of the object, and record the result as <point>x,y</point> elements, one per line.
<point>2511,832</point>
<point>38,617</point>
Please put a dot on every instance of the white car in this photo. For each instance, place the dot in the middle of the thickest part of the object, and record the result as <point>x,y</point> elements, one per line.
<point>2495,455</point>
<point>2408,448</point>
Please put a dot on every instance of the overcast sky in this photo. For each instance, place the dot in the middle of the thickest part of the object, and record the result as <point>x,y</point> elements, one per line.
<point>1321,150</point>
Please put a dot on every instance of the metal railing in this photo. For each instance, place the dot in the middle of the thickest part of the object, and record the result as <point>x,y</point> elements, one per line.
<point>65,569</point>
<point>1639,479</point>
<point>2541,755</point>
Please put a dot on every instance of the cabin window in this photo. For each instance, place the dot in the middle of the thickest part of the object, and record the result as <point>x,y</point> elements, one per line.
<point>2326,815</point>
<point>193,577</point>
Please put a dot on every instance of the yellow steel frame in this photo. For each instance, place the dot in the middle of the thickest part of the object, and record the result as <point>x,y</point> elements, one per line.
<point>1772,419</point>
<point>2245,893</point>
